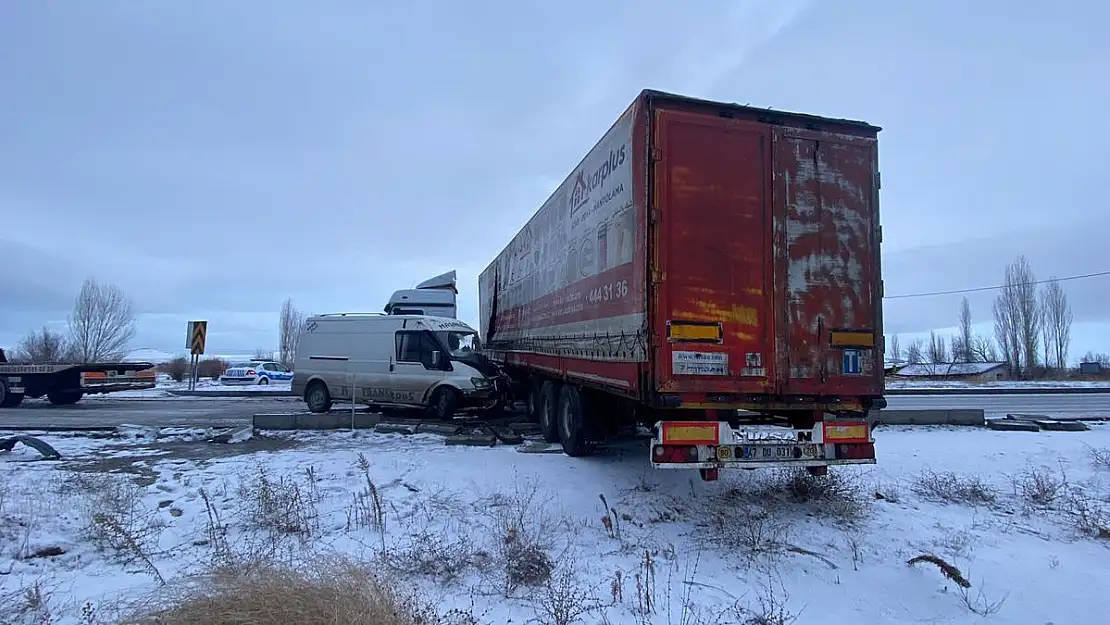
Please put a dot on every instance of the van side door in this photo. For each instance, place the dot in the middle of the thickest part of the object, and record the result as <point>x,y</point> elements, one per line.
<point>413,370</point>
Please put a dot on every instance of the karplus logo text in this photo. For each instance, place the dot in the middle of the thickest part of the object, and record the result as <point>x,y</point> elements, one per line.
<point>585,185</point>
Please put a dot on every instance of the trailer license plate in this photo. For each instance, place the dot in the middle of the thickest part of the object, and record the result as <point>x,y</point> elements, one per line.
<point>767,452</point>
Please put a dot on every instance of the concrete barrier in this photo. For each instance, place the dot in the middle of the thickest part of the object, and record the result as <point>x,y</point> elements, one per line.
<point>967,416</point>
<point>315,421</point>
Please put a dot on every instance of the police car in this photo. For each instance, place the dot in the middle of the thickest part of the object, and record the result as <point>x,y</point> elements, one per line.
<point>256,372</point>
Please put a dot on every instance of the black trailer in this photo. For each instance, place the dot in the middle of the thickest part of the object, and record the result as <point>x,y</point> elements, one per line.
<point>67,383</point>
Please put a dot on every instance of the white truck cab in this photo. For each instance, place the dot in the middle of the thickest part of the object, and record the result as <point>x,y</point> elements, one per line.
<point>394,360</point>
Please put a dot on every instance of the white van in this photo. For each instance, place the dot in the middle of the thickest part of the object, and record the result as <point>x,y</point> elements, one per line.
<point>403,360</point>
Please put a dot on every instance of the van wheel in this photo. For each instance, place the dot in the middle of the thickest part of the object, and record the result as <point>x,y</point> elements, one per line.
<point>64,398</point>
<point>317,397</point>
<point>572,424</point>
<point>445,402</point>
<point>548,408</point>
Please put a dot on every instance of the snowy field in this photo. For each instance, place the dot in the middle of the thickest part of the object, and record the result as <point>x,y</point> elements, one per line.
<point>495,535</point>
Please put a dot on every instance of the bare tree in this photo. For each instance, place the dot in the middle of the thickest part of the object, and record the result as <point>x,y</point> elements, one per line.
<point>962,342</point>
<point>1017,316</point>
<point>1102,359</point>
<point>895,348</point>
<point>915,353</point>
<point>102,322</point>
<point>261,353</point>
<point>290,325</point>
<point>1056,323</point>
<point>982,349</point>
<point>42,347</point>
<point>938,350</point>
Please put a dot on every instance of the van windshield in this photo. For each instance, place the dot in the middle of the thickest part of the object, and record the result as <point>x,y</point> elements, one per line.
<point>459,343</point>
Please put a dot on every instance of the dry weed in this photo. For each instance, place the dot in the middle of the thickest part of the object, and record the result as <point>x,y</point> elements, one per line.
<point>948,487</point>
<point>563,599</point>
<point>1038,489</point>
<point>335,591</point>
<point>285,506</point>
<point>1100,457</point>
<point>116,520</point>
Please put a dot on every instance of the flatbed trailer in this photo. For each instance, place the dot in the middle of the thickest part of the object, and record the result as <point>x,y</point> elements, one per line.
<point>64,384</point>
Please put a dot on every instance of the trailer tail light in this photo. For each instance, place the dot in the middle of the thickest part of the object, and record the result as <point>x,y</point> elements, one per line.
<point>846,432</point>
<point>674,454</point>
<point>857,451</point>
<point>691,432</point>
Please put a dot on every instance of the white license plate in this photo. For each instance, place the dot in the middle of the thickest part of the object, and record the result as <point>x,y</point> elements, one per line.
<point>770,452</point>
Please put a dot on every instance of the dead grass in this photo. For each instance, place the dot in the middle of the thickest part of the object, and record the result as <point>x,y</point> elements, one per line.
<point>1087,513</point>
<point>948,487</point>
<point>1100,458</point>
<point>281,506</point>
<point>755,517</point>
<point>1038,488</point>
<point>323,591</point>
<point>116,520</point>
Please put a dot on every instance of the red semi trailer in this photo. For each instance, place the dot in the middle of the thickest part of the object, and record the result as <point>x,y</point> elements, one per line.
<point>704,265</point>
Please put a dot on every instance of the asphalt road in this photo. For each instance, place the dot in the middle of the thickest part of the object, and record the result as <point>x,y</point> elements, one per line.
<point>204,412</point>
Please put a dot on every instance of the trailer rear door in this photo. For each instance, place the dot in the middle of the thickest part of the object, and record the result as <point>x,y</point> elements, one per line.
<point>827,263</point>
<point>711,236</point>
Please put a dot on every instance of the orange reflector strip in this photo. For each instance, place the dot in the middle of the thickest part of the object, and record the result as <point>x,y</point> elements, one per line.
<point>690,432</point>
<point>842,432</point>
<point>94,374</point>
<point>708,332</point>
<point>851,338</point>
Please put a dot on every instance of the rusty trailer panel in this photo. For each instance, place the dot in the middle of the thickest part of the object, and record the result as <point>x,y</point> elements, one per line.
<point>764,224</point>
<point>826,231</point>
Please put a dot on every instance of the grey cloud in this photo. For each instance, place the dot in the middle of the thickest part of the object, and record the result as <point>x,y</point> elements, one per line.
<point>361,148</point>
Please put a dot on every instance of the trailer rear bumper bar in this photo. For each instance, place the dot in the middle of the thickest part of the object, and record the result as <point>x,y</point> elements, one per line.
<point>716,445</point>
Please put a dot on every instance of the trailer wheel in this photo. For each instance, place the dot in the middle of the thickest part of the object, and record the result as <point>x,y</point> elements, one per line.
<point>9,400</point>
<point>317,397</point>
<point>64,398</point>
<point>548,408</point>
<point>572,424</point>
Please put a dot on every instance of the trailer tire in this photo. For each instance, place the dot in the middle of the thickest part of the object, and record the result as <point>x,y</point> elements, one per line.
<point>64,398</point>
<point>573,427</point>
<point>317,397</point>
<point>445,402</point>
<point>548,409</point>
<point>9,400</point>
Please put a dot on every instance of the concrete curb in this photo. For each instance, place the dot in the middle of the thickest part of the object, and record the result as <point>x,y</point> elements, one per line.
<point>226,394</point>
<point>967,417</point>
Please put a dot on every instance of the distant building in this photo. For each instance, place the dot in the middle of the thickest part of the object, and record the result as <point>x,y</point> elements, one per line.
<point>966,371</point>
<point>1090,368</point>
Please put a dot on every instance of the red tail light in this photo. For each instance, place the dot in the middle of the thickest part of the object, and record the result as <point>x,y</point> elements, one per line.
<point>250,371</point>
<point>675,453</point>
<point>859,451</point>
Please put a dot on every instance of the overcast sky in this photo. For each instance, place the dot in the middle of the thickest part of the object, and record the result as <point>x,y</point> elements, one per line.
<point>213,158</point>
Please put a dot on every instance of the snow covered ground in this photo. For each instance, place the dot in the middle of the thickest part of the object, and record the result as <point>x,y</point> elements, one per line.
<point>516,537</point>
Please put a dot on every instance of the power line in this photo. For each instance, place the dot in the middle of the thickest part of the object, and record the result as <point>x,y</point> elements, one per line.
<point>1000,286</point>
